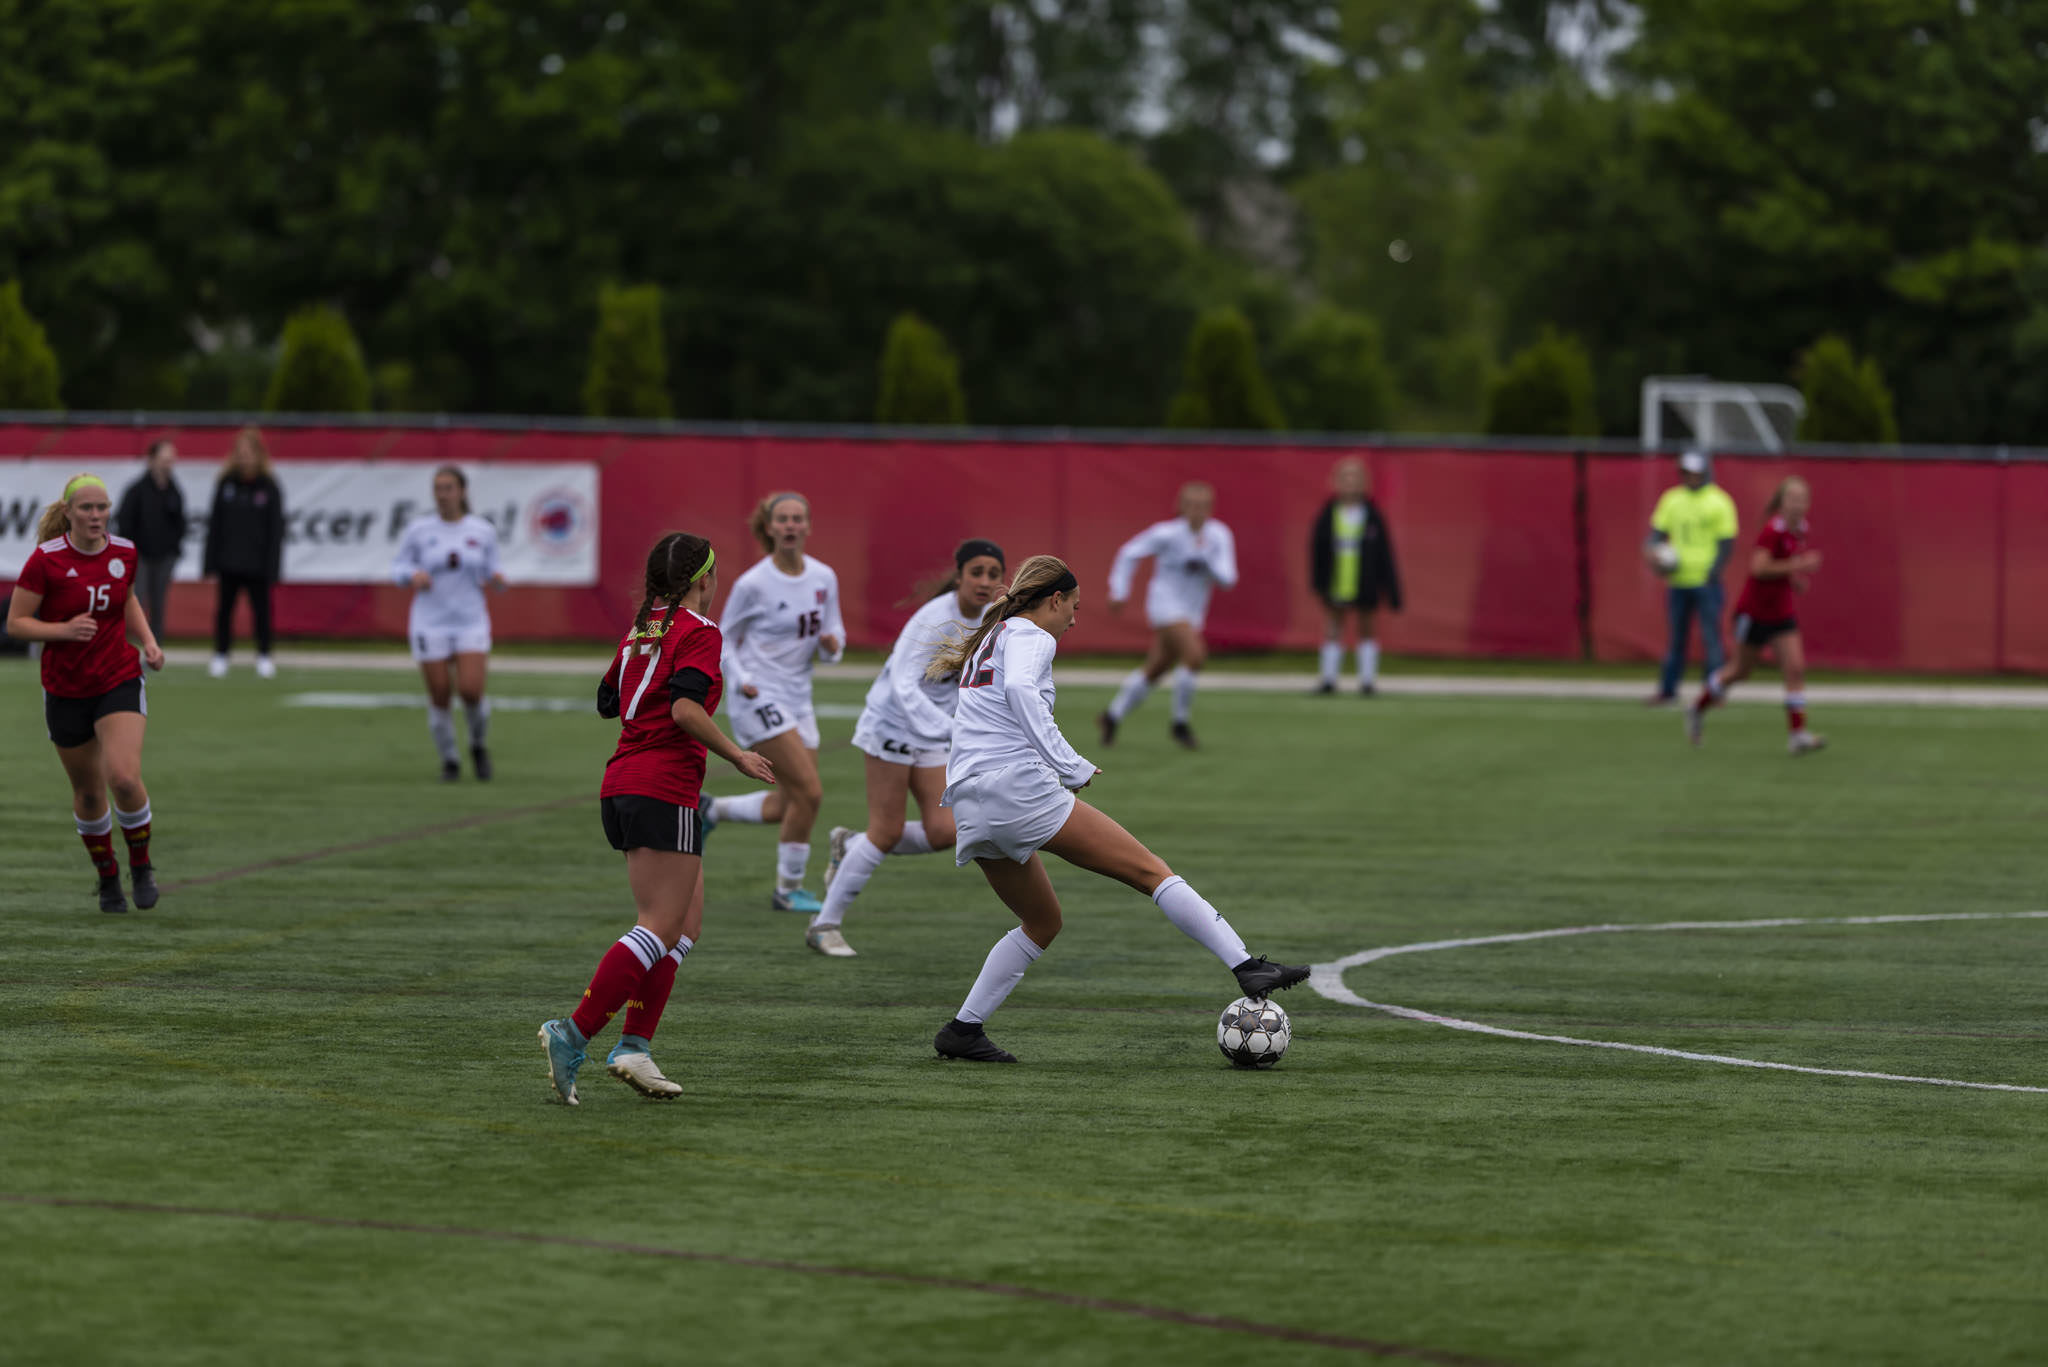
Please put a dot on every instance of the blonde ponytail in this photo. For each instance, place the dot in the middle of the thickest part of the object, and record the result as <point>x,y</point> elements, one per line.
<point>56,521</point>
<point>1037,578</point>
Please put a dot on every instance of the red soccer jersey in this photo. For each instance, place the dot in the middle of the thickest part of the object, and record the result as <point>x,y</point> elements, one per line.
<point>655,757</point>
<point>72,582</point>
<point>1773,600</point>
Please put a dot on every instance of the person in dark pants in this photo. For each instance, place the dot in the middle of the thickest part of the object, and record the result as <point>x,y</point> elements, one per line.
<point>1692,533</point>
<point>152,515</point>
<point>245,547</point>
<point>1351,565</point>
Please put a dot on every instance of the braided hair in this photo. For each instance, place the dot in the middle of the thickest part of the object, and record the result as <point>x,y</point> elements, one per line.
<point>672,567</point>
<point>1039,578</point>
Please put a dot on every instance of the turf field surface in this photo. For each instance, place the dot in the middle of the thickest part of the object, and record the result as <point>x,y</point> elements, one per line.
<point>302,1109</point>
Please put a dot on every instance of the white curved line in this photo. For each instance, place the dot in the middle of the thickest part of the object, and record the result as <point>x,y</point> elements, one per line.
<point>1328,979</point>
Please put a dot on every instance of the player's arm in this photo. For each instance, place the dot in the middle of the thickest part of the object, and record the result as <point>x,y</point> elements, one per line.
<point>1125,567</point>
<point>406,571</point>
<point>832,640</point>
<point>137,622</point>
<point>27,600</point>
<point>915,649</point>
<point>274,523</point>
<point>1024,670</point>
<point>733,625</point>
<point>1223,568</point>
<point>1764,565</point>
<point>689,688</point>
<point>608,701</point>
<point>494,574</point>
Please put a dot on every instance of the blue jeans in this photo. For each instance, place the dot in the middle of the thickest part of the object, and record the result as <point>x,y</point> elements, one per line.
<point>1681,604</point>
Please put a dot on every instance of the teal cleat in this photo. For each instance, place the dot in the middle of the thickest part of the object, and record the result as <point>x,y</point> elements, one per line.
<point>796,899</point>
<point>564,1058</point>
<point>707,815</point>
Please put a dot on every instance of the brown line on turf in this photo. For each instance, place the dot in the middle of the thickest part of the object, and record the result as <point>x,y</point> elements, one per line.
<point>375,842</point>
<point>1131,1309</point>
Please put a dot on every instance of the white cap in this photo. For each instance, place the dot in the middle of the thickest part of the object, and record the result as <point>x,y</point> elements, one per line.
<point>1693,462</point>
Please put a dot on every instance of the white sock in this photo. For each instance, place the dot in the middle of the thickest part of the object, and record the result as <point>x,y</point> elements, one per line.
<point>130,820</point>
<point>791,859</point>
<point>1368,662</point>
<point>856,866</point>
<point>747,808</point>
<point>1199,921</point>
<point>1001,971</point>
<point>479,722</point>
<point>645,944</point>
<point>103,824</point>
<point>684,944</point>
<point>1715,688</point>
<point>1183,694</point>
<point>442,723</point>
<point>1130,695</point>
<point>1332,659</point>
<point>913,840</point>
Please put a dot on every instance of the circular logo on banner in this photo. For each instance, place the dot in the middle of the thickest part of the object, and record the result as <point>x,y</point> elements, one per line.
<point>559,522</point>
<point>117,569</point>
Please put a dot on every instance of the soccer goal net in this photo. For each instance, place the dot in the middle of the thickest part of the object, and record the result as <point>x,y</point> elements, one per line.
<point>1715,413</point>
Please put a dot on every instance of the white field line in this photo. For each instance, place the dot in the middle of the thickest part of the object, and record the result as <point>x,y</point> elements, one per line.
<point>1224,680</point>
<point>499,703</point>
<point>1328,979</point>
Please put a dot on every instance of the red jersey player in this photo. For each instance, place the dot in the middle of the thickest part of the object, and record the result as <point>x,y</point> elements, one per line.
<point>663,685</point>
<point>75,594</point>
<point>1767,615</point>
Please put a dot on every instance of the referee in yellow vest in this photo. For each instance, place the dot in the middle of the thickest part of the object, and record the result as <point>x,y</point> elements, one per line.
<point>1692,533</point>
<point>1351,565</point>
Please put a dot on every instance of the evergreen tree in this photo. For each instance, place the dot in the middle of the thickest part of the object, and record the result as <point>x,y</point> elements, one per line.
<point>1223,387</point>
<point>628,375</point>
<point>1332,375</point>
<point>1546,391</point>
<point>920,376</point>
<point>320,367</point>
<point>28,367</point>
<point>1846,401</point>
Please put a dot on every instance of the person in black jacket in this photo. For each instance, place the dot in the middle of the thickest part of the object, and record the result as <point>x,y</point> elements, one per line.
<point>1351,565</point>
<point>245,547</point>
<point>152,515</point>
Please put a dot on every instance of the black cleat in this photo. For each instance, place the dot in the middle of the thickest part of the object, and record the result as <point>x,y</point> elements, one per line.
<point>958,1039</point>
<point>482,759</point>
<point>1257,978</point>
<point>1184,736</point>
<point>1106,724</point>
<point>144,879</point>
<point>1325,688</point>
<point>450,771</point>
<point>110,894</point>
<point>1369,690</point>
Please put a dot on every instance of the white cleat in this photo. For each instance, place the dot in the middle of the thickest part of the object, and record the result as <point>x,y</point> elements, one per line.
<point>1695,725</point>
<point>828,941</point>
<point>840,835</point>
<point>641,1073</point>
<point>1804,743</point>
<point>217,667</point>
<point>266,668</point>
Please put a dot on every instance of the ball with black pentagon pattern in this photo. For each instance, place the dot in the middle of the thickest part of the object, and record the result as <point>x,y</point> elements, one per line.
<point>1253,1033</point>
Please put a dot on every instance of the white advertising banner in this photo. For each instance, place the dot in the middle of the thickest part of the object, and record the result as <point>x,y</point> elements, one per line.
<point>344,518</point>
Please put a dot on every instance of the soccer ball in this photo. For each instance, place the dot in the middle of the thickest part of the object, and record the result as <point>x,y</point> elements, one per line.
<point>1253,1033</point>
<point>1666,556</point>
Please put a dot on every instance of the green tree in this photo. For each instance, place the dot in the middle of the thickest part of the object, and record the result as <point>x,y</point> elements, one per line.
<point>1545,391</point>
<point>920,376</point>
<point>628,374</point>
<point>319,366</point>
<point>1331,376</point>
<point>1223,387</point>
<point>28,368</point>
<point>1846,399</point>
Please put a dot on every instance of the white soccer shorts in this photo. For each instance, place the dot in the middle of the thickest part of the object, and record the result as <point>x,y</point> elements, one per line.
<point>891,746</point>
<point>1007,813</point>
<point>766,717</point>
<point>444,643</point>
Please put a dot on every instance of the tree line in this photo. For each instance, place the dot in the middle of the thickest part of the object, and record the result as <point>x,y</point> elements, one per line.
<point>1336,215</point>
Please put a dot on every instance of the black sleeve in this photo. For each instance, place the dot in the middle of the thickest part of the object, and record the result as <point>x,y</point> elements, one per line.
<point>210,563</point>
<point>1321,554</point>
<point>174,501</point>
<point>275,524</point>
<point>128,518</point>
<point>1391,574</point>
<point>689,682</point>
<point>607,698</point>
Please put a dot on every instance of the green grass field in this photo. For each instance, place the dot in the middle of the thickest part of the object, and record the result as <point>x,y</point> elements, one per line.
<point>297,1113</point>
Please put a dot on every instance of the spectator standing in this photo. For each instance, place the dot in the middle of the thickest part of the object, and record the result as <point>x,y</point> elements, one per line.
<point>152,515</point>
<point>1351,564</point>
<point>245,547</point>
<point>1692,533</point>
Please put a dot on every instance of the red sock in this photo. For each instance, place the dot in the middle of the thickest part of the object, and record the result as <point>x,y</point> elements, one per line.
<point>643,1008</point>
<point>137,837</point>
<point>1795,719</point>
<point>619,972</point>
<point>1706,700</point>
<point>100,845</point>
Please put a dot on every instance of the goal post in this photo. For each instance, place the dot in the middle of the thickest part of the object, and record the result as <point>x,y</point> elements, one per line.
<point>1710,413</point>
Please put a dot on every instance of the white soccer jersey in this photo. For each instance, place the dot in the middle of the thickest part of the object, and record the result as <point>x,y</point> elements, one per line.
<point>462,556</point>
<point>1186,564</point>
<point>773,623</point>
<point>901,699</point>
<point>1005,714</point>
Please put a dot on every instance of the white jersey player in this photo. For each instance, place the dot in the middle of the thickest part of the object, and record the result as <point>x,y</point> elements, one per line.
<point>781,617</point>
<point>1011,782</point>
<point>1191,555</point>
<point>905,731</point>
<point>450,560</point>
